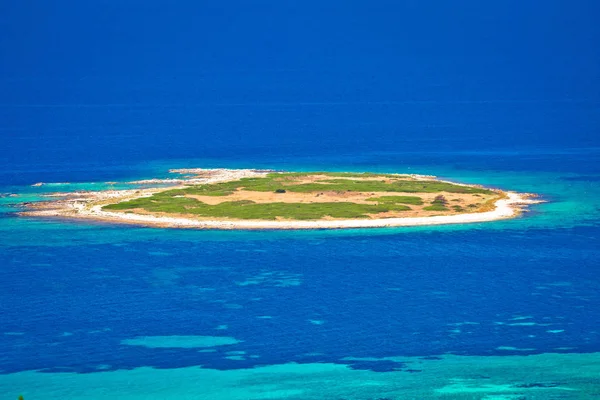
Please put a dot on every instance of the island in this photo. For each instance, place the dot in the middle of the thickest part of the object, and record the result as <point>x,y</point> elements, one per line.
<point>265,199</point>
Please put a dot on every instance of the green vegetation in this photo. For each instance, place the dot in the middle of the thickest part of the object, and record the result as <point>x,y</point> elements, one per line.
<point>247,209</point>
<point>287,182</point>
<point>435,207</point>
<point>402,186</point>
<point>414,200</point>
<point>336,174</point>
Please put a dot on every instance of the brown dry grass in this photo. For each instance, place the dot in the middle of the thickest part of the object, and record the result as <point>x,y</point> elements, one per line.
<point>483,202</point>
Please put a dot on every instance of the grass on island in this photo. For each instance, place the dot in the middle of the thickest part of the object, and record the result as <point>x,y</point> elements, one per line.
<point>288,182</point>
<point>337,174</point>
<point>246,209</point>
<point>177,201</point>
<point>415,200</point>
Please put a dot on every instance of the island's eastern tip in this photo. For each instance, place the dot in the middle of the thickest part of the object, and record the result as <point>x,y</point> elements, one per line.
<point>265,199</point>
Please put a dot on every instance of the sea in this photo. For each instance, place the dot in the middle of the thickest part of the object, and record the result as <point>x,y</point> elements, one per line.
<point>504,94</point>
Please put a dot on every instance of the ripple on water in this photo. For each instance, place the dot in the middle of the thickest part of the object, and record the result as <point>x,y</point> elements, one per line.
<point>181,342</point>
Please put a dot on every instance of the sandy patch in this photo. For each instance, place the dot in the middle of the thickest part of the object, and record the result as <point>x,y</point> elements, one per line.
<point>454,199</point>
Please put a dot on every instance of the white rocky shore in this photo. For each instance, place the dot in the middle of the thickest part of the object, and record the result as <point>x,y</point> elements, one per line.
<point>88,205</point>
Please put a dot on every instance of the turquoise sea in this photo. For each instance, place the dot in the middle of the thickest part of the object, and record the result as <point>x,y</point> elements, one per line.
<point>504,94</point>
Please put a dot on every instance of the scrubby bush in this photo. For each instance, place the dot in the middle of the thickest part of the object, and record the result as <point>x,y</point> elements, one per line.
<point>440,199</point>
<point>438,204</point>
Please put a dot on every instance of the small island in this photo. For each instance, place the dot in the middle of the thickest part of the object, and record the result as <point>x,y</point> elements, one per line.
<point>259,199</point>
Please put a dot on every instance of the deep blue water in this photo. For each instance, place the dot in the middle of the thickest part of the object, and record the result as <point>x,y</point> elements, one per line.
<point>103,86</point>
<point>506,94</point>
<point>375,296</point>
